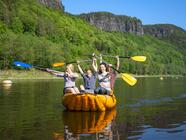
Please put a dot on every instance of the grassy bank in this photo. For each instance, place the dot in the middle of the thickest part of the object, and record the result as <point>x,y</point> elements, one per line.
<point>25,74</point>
<point>36,74</point>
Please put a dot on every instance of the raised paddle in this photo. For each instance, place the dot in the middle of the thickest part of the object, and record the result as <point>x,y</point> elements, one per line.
<point>129,79</point>
<point>135,58</point>
<point>29,66</point>
<point>60,64</point>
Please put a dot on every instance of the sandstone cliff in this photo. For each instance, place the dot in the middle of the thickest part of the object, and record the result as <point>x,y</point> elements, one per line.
<point>110,22</point>
<point>170,33</point>
<point>162,30</point>
<point>57,4</point>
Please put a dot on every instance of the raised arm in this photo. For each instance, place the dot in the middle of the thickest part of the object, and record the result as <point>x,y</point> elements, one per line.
<point>118,62</point>
<point>94,64</point>
<point>100,58</point>
<point>79,67</point>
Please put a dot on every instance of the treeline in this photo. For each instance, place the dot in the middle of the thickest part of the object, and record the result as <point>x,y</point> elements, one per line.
<point>38,35</point>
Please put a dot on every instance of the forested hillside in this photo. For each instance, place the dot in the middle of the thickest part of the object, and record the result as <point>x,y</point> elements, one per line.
<point>40,35</point>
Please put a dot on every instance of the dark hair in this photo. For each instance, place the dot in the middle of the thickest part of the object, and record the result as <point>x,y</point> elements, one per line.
<point>107,69</point>
<point>103,63</point>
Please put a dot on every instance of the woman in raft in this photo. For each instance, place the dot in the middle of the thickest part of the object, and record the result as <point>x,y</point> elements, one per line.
<point>106,77</point>
<point>89,78</point>
<point>69,79</point>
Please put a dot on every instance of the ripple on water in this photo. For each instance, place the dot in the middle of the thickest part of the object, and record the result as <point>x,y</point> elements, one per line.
<point>163,133</point>
<point>142,102</point>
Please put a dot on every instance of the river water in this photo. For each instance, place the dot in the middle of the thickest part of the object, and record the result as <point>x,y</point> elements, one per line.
<point>153,109</point>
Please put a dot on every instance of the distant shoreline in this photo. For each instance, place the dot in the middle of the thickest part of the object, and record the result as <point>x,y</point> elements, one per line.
<point>39,75</point>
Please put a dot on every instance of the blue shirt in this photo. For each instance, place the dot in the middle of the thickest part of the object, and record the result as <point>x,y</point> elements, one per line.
<point>90,82</point>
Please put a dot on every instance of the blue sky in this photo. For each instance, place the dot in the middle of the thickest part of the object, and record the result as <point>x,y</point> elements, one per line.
<point>148,11</point>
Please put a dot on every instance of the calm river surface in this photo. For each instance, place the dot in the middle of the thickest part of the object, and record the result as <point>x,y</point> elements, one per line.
<point>154,109</point>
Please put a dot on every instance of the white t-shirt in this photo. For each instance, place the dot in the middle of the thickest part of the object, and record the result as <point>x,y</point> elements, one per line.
<point>104,80</point>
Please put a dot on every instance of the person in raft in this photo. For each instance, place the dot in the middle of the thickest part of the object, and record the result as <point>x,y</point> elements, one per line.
<point>89,78</point>
<point>103,80</point>
<point>69,79</point>
<point>106,77</point>
<point>113,73</point>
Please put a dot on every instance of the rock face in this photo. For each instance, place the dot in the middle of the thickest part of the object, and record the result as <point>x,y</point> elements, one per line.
<point>57,4</point>
<point>170,33</point>
<point>110,22</point>
<point>162,30</point>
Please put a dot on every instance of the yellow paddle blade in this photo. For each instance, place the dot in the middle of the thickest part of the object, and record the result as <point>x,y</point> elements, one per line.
<point>129,79</point>
<point>58,64</point>
<point>139,58</point>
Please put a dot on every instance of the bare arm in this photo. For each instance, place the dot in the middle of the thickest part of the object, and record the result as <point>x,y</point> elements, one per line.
<point>55,72</point>
<point>100,58</point>
<point>79,67</point>
<point>94,64</point>
<point>118,62</point>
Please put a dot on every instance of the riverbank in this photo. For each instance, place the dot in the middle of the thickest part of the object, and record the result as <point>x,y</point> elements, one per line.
<point>25,74</point>
<point>36,74</point>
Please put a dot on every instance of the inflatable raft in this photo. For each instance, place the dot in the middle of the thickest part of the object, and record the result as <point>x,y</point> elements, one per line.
<point>88,102</point>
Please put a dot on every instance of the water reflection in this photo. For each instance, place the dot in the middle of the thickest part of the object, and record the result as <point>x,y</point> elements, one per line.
<point>94,125</point>
<point>7,88</point>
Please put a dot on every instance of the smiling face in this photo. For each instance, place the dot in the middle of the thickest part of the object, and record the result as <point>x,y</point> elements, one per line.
<point>89,73</point>
<point>102,68</point>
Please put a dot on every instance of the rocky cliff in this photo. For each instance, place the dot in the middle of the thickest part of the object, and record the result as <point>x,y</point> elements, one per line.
<point>170,33</point>
<point>57,4</point>
<point>162,30</point>
<point>110,22</point>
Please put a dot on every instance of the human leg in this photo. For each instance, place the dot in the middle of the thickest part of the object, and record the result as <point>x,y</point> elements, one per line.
<point>76,90</point>
<point>96,91</point>
<point>82,87</point>
<point>102,91</point>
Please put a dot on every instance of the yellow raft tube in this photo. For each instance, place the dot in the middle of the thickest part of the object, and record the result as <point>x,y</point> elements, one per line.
<point>88,102</point>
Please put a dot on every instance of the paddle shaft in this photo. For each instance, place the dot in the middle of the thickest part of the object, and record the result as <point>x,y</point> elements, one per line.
<point>28,66</point>
<point>108,64</point>
<point>114,68</point>
<point>44,69</point>
<point>115,56</point>
<point>79,61</point>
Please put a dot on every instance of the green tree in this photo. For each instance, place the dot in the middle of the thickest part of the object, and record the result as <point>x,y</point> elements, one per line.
<point>17,25</point>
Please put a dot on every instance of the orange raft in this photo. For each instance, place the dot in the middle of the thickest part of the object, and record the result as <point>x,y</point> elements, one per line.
<point>88,102</point>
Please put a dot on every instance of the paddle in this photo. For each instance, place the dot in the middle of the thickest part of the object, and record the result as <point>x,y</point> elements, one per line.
<point>60,64</point>
<point>28,66</point>
<point>135,58</point>
<point>125,76</point>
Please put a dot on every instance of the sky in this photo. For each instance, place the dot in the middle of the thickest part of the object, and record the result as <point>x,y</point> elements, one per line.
<point>148,11</point>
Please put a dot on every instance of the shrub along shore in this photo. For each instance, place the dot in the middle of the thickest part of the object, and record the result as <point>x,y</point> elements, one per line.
<point>36,74</point>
